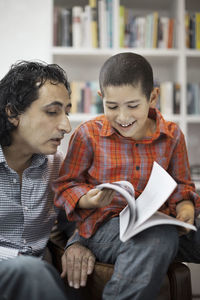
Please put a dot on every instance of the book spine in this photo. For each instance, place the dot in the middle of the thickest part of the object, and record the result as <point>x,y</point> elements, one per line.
<point>94,30</point>
<point>197,28</point>
<point>170,33</point>
<point>121,25</point>
<point>76,26</point>
<point>155,29</point>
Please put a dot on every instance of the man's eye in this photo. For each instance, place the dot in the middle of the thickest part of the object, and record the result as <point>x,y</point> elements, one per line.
<point>111,107</point>
<point>51,113</point>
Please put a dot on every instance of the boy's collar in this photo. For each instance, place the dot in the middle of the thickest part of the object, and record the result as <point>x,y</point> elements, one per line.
<point>154,113</point>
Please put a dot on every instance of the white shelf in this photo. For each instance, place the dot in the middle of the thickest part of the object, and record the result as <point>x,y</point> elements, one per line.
<point>193,119</point>
<point>192,53</point>
<point>178,65</point>
<point>81,117</point>
<point>71,51</point>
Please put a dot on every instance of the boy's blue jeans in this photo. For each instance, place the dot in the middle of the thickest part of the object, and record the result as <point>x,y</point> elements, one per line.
<point>140,263</point>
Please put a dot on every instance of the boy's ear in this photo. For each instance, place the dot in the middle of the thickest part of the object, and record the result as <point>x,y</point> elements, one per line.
<point>154,97</point>
<point>13,119</point>
<point>100,94</point>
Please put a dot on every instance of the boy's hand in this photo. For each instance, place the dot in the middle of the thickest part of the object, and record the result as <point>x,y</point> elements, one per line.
<point>96,198</point>
<point>185,213</point>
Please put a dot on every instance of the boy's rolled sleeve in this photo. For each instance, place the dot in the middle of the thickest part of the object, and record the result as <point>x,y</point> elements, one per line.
<point>179,169</point>
<point>72,185</point>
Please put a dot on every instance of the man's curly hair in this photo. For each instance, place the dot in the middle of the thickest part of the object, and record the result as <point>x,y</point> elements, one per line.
<point>20,87</point>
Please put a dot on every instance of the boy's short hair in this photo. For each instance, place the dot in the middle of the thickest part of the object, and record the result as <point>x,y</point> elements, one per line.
<point>127,69</point>
<point>20,87</point>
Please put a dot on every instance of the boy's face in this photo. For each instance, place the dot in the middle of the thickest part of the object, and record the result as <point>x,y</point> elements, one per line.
<point>42,126</point>
<point>127,108</point>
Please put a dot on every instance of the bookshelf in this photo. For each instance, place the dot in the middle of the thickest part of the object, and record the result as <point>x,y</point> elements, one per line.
<point>177,64</point>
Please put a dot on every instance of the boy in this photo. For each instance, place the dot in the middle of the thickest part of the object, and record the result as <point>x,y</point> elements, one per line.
<point>122,145</point>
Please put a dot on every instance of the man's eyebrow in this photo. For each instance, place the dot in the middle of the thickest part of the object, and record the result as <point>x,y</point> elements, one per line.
<point>55,103</point>
<point>58,103</point>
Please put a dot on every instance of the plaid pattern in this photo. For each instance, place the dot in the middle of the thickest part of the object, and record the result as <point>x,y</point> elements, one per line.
<point>27,212</point>
<point>98,154</point>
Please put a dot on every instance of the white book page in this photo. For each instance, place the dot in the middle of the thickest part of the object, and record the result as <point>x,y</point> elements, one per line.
<point>126,189</point>
<point>157,219</point>
<point>158,189</point>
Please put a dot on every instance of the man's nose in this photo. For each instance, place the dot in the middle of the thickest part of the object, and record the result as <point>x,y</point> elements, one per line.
<point>64,124</point>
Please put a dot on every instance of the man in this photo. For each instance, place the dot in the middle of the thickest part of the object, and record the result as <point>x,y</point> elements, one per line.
<point>34,106</point>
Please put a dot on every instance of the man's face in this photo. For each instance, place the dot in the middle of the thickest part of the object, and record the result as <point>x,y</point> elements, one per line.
<point>127,108</point>
<point>43,125</point>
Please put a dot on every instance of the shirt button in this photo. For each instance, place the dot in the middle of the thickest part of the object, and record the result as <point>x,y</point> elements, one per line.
<point>14,180</point>
<point>25,208</point>
<point>137,168</point>
<point>24,241</point>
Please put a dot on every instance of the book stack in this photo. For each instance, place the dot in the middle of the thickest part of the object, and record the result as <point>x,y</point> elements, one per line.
<point>170,98</point>
<point>193,102</point>
<point>192,29</point>
<point>84,26</point>
<point>147,31</point>
<point>85,98</point>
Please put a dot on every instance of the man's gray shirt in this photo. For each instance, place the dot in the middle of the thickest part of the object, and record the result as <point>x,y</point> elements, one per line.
<point>27,212</point>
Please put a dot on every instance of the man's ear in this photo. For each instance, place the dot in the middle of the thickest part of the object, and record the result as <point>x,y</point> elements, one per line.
<point>13,119</point>
<point>154,97</point>
<point>100,94</point>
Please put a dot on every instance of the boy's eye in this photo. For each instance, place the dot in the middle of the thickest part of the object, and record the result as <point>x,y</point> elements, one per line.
<point>133,106</point>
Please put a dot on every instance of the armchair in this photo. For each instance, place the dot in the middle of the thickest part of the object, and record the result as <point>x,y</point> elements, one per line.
<point>176,286</point>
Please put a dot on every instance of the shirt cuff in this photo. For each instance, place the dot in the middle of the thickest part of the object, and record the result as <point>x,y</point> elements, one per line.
<point>73,239</point>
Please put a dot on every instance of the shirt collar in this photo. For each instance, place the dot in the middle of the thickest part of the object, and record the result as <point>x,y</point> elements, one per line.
<point>37,159</point>
<point>154,113</point>
<point>2,157</point>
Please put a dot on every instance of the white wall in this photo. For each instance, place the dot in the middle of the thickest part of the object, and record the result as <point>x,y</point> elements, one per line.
<point>25,31</point>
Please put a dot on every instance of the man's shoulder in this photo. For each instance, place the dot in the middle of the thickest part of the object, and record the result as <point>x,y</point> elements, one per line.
<point>55,159</point>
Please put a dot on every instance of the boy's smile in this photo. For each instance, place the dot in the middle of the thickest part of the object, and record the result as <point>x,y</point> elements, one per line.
<point>127,109</point>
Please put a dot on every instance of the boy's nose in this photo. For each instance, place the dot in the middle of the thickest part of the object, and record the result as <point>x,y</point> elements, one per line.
<point>122,115</point>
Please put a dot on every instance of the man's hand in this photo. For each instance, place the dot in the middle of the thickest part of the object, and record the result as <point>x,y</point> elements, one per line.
<point>185,213</point>
<point>96,198</point>
<point>77,263</point>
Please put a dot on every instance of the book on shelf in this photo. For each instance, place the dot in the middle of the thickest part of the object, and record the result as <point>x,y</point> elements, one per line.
<point>121,26</point>
<point>166,97</point>
<point>170,40</point>
<point>77,35</point>
<point>192,30</point>
<point>85,98</point>
<point>197,29</point>
<point>177,98</point>
<point>170,97</point>
<point>102,24</point>
<point>94,22</point>
<point>142,213</point>
<point>193,103</point>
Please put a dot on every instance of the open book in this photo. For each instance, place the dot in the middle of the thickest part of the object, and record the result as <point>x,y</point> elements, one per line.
<point>142,213</point>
